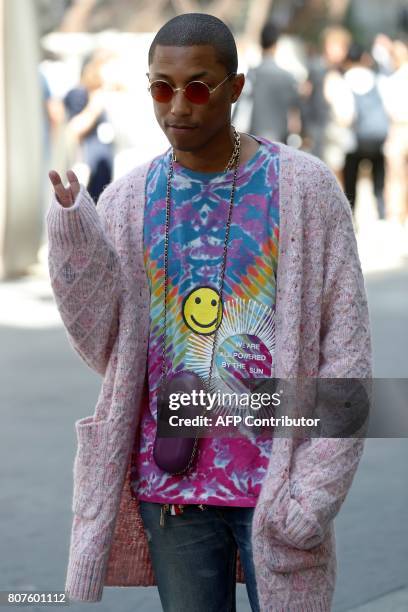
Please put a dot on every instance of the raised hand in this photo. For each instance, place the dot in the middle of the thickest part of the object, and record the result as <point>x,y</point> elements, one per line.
<point>65,195</point>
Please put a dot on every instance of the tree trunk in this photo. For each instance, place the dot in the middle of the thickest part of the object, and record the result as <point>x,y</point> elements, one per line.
<point>22,172</point>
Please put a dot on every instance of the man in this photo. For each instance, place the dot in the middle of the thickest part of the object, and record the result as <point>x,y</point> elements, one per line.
<point>180,256</point>
<point>327,107</point>
<point>273,91</point>
<point>87,120</point>
<point>369,123</point>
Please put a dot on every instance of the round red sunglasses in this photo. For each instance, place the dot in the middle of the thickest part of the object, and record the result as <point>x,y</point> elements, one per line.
<point>196,92</point>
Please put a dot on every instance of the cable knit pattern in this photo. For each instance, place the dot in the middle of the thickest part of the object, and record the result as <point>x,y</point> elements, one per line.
<point>322,329</point>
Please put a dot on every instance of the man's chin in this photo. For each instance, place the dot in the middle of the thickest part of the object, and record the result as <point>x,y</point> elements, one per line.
<point>182,140</point>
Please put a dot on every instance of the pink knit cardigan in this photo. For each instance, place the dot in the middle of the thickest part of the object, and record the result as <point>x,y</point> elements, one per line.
<point>322,329</point>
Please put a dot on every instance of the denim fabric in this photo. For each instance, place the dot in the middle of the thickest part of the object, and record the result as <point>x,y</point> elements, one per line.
<point>194,556</point>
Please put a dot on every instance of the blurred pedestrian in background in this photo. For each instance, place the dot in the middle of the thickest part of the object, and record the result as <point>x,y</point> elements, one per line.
<point>396,147</point>
<point>369,124</point>
<point>273,92</point>
<point>89,123</point>
<point>328,107</point>
<point>52,117</point>
<point>381,52</point>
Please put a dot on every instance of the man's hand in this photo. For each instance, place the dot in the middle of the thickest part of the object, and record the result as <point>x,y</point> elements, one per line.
<point>65,195</point>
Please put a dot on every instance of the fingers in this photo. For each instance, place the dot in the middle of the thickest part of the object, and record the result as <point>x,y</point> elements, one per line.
<point>74,183</point>
<point>72,177</point>
<point>65,195</point>
<point>54,177</point>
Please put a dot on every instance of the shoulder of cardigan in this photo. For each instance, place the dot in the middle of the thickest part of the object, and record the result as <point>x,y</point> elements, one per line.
<point>302,157</point>
<point>304,174</point>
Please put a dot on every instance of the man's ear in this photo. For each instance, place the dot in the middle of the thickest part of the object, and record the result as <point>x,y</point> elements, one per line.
<point>237,86</point>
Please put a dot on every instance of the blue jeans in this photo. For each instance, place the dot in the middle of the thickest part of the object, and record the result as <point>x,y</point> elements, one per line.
<point>194,556</point>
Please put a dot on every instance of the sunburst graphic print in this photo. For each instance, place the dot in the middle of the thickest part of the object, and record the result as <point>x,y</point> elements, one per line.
<point>245,345</point>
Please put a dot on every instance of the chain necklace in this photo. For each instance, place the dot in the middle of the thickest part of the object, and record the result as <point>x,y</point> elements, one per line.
<point>232,163</point>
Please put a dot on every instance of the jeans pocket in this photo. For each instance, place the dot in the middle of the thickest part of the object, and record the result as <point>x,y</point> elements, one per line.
<point>89,467</point>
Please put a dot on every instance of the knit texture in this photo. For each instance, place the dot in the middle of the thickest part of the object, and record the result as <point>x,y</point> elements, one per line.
<point>322,329</point>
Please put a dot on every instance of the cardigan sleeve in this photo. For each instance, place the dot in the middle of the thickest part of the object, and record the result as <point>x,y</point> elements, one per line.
<point>308,497</point>
<point>85,274</point>
<point>345,347</point>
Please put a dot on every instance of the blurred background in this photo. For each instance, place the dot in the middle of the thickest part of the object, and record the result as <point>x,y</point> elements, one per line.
<point>326,76</point>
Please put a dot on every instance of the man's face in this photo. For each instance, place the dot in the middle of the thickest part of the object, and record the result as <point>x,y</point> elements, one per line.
<point>190,126</point>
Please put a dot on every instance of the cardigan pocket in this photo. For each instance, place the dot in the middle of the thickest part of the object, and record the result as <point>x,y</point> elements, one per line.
<point>283,558</point>
<point>89,466</point>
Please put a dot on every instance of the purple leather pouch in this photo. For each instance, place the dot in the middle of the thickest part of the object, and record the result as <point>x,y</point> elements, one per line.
<point>177,455</point>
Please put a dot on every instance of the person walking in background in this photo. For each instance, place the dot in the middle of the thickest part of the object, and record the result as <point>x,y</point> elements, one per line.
<point>89,123</point>
<point>168,280</point>
<point>330,102</point>
<point>369,123</point>
<point>53,114</point>
<point>273,92</point>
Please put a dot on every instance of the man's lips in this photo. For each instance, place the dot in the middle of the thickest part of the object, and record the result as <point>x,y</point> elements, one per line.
<point>181,127</point>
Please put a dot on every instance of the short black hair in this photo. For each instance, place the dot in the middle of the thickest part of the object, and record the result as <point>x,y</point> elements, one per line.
<point>269,35</point>
<point>198,29</point>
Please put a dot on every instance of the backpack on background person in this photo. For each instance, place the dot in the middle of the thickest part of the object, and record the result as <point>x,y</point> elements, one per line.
<point>371,123</point>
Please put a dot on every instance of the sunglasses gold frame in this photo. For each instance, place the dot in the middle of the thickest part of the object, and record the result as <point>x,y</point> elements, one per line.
<point>183,89</point>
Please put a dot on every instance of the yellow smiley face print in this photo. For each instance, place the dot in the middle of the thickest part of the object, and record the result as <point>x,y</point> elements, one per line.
<point>202,310</point>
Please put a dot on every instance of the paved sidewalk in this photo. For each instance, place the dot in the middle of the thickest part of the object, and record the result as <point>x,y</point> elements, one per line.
<point>397,601</point>
<point>382,244</point>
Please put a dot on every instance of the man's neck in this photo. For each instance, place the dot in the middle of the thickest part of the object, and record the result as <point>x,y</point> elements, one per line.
<point>216,155</point>
<point>269,53</point>
<point>213,157</point>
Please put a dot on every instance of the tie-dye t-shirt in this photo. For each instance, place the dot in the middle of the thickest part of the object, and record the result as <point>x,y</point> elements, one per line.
<point>228,470</point>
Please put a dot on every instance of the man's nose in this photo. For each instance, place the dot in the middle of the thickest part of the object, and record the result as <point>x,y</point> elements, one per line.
<point>180,106</point>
